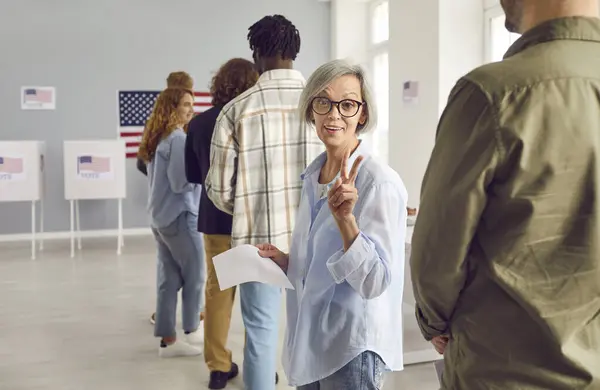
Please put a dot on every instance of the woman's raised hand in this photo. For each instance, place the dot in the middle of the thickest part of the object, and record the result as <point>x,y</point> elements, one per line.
<point>343,195</point>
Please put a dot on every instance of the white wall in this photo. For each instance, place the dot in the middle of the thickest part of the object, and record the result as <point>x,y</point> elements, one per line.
<point>88,49</point>
<point>490,3</point>
<point>349,30</point>
<point>434,42</point>
<point>461,42</point>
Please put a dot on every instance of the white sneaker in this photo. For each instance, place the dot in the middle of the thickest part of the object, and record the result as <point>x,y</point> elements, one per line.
<point>178,349</point>
<point>196,338</point>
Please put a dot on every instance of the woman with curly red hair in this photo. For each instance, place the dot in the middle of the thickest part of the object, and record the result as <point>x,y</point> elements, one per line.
<point>232,79</point>
<point>178,79</point>
<point>173,208</point>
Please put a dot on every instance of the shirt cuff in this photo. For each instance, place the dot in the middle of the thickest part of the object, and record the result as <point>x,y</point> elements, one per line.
<point>429,332</point>
<point>342,264</point>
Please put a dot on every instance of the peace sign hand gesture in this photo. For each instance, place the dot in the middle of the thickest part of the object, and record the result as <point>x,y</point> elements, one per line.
<point>343,194</point>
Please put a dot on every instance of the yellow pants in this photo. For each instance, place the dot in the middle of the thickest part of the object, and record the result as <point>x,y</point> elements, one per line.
<point>218,307</point>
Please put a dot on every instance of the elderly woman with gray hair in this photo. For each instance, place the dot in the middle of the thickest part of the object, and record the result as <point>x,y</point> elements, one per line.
<point>346,262</point>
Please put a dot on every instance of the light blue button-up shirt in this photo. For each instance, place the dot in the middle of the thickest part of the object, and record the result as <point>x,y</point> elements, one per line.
<point>346,303</point>
<point>169,192</point>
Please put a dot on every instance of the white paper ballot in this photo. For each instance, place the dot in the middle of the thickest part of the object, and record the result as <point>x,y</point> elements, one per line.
<point>243,264</point>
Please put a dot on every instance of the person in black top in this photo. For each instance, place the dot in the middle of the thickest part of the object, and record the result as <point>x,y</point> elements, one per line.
<point>233,78</point>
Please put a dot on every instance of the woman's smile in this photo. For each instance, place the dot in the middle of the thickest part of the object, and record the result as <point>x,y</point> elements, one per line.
<point>333,129</point>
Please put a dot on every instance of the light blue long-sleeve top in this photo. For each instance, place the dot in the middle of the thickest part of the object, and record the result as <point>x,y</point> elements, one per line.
<point>345,303</point>
<point>170,193</point>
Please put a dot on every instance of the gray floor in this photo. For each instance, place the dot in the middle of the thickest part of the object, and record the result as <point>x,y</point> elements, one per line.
<point>82,324</point>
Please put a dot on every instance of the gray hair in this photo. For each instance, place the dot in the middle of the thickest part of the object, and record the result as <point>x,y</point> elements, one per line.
<point>323,76</point>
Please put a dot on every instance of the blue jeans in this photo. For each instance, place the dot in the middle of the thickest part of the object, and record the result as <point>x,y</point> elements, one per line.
<point>261,305</point>
<point>180,265</point>
<point>364,372</point>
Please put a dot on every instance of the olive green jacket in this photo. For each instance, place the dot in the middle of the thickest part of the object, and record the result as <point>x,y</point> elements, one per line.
<point>505,252</point>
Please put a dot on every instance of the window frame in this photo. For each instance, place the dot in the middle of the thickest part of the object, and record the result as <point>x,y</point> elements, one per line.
<point>373,5</point>
<point>490,14</point>
<point>373,78</point>
<point>374,50</point>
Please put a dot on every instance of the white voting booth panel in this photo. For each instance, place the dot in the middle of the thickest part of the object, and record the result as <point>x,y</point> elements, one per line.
<point>22,178</point>
<point>94,170</point>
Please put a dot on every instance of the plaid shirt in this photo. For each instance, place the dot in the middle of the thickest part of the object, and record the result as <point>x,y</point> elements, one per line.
<point>259,149</point>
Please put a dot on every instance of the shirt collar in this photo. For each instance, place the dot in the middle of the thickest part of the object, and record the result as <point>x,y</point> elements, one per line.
<point>316,165</point>
<point>281,74</point>
<point>577,28</point>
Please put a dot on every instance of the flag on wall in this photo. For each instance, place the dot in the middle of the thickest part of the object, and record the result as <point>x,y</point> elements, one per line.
<point>410,92</point>
<point>11,165</point>
<point>38,95</point>
<point>411,89</point>
<point>93,164</point>
<point>135,108</point>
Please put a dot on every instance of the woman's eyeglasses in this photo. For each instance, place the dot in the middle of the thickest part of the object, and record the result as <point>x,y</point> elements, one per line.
<point>347,107</point>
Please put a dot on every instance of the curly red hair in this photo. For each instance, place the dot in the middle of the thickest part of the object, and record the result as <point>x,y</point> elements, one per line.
<point>233,78</point>
<point>162,121</point>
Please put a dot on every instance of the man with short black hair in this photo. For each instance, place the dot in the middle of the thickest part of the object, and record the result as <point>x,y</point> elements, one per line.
<point>260,147</point>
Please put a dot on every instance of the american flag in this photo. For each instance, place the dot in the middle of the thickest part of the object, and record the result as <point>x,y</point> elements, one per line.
<point>38,95</point>
<point>411,90</point>
<point>135,108</point>
<point>11,165</point>
<point>93,164</point>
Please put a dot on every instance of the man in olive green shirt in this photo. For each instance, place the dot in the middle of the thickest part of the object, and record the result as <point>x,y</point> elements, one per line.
<point>506,250</point>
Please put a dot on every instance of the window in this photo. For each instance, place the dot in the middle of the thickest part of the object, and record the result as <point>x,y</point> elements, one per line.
<point>381,86</point>
<point>380,22</point>
<point>379,72</point>
<point>498,39</point>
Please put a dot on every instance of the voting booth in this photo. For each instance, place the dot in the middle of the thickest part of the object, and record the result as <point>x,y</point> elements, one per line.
<point>94,170</point>
<point>22,179</point>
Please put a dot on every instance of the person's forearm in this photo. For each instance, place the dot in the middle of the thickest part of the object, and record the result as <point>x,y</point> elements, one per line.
<point>349,231</point>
